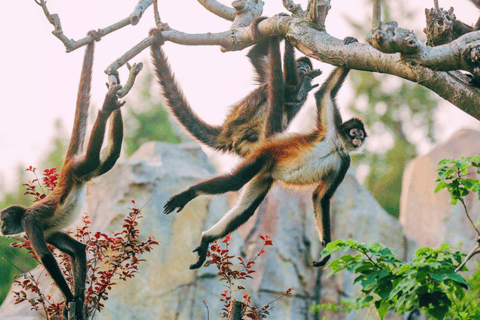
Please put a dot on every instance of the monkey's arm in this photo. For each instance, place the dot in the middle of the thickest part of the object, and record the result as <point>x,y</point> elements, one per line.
<point>91,160</point>
<point>83,102</point>
<point>221,184</point>
<point>275,88</point>
<point>35,234</point>
<point>76,251</point>
<point>255,192</point>
<point>111,153</point>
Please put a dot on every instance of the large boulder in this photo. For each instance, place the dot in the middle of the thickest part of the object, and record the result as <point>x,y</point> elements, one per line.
<point>165,288</point>
<point>428,218</point>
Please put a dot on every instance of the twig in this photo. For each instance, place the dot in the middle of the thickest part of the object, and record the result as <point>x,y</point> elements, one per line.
<point>134,71</point>
<point>206,306</point>
<point>294,8</point>
<point>473,252</point>
<point>139,10</point>
<point>435,3</point>
<point>468,216</point>
<point>145,43</point>
<point>377,14</point>
<point>71,44</point>
<point>218,9</point>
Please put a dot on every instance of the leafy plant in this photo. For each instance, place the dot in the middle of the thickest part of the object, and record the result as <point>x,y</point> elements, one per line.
<point>429,282</point>
<point>222,259</point>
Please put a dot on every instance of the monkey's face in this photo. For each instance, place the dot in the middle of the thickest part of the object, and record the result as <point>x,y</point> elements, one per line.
<point>11,218</point>
<point>353,133</point>
<point>303,68</point>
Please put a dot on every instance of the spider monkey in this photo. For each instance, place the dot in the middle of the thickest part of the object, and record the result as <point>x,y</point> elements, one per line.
<point>245,126</point>
<point>43,220</point>
<point>320,158</point>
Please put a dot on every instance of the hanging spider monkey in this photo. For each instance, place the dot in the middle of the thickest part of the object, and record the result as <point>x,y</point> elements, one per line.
<point>320,158</point>
<point>43,220</point>
<point>245,126</point>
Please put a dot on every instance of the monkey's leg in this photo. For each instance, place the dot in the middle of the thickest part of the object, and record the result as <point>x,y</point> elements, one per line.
<point>275,89</point>
<point>253,195</point>
<point>91,161</point>
<point>221,184</point>
<point>321,210</point>
<point>111,153</point>
<point>293,107</point>
<point>77,251</point>
<point>35,234</point>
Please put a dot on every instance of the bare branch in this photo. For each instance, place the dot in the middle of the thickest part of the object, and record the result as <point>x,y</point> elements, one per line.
<point>245,11</point>
<point>218,9</point>
<point>435,3</point>
<point>474,251</point>
<point>134,71</point>
<point>460,54</point>
<point>317,12</point>
<point>292,7</point>
<point>130,54</point>
<point>71,44</point>
<point>139,10</point>
<point>377,14</point>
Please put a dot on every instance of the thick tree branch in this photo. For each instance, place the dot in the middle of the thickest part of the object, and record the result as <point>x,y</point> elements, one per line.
<point>245,11</point>
<point>317,12</point>
<point>294,8</point>
<point>218,9</point>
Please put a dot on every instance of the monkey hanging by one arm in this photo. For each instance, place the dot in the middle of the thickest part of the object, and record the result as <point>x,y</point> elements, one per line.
<point>245,125</point>
<point>320,158</point>
<point>43,220</point>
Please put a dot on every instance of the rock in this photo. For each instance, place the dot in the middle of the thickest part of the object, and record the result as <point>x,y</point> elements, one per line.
<point>165,288</point>
<point>428,218</point>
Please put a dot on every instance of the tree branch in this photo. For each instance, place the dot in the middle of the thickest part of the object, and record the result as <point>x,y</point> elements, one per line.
<point>134,71</point>
<point>139,10</point>
<point>245,11</point>
<point>377,14</point>
<point>294,8</point>
<point>218,9</point>
<point>71,44</point>
<point>474,251</point>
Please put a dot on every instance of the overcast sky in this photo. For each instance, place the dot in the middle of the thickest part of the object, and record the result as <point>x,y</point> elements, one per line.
<point>38,82</point>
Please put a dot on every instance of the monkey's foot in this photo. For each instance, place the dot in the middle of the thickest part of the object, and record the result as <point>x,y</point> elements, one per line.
<point>202,254</point>
<point>349,40</point>
<point>178,201</point>
<point>111,102</point>
<point>322,262</point>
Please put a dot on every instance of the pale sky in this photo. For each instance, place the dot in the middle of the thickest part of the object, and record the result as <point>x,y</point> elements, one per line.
<point>39,80</point>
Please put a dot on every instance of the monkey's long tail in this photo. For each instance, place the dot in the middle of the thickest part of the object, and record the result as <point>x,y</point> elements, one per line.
<point>178,105</point>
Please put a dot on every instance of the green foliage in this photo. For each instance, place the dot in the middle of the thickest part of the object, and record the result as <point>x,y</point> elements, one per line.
<point>452,176</point>
<point>150,124</point>
<point>429,282</point>
<point>468,308</point>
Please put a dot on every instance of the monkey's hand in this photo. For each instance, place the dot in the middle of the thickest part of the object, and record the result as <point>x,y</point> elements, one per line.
<point>202,254</point>
<point>322,262</point>
<point>111,102</point>
<point>306,85</point>
<point>178,201</point>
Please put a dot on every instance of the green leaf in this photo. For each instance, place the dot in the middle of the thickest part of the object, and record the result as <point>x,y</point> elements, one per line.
<point>440,186</point>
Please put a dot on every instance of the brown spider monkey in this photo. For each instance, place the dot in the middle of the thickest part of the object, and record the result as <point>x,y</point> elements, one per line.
<point>245,126</point>
<point>43,220</point>
<point>318,158</point>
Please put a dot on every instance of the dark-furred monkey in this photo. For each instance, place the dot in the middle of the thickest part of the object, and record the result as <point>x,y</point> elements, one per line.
<point>318,158</point>
<point>43,220</point>
<point>246,124</point>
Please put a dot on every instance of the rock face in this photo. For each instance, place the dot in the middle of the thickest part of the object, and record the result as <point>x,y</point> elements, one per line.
<point>165,288</point>
<point>428,218</point>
